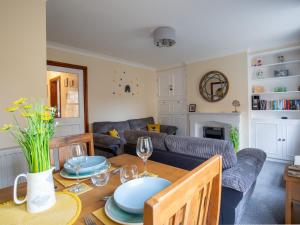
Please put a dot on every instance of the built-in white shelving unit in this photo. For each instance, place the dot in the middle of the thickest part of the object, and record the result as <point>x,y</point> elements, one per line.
<point>274,102</point>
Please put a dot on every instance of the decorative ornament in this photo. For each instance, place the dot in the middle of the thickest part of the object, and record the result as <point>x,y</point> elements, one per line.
<point>236,104</point>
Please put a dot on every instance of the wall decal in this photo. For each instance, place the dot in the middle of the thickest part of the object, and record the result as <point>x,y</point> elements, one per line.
<point>124,83</point>
<point>127,88</point>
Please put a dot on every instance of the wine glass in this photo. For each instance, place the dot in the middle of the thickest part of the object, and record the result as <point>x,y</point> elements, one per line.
<point>76,160</point>
<point>128,172</point>
<point>144,150</point>
<point>100,179</point>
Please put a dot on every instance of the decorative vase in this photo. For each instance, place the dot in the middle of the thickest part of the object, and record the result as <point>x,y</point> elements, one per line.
<point>40,191</point>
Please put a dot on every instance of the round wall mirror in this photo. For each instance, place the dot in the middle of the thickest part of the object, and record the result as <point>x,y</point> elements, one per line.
<point>213,86</point>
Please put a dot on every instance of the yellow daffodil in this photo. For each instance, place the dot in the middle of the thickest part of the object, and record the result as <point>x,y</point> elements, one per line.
<point>40,131</point>
<point>25,114</point>
<point>20,101</point>
<point>29,106</point>
<point>12,109</point>
<point>47,108</point>
<point>6,127</point>
<point>46,116</point>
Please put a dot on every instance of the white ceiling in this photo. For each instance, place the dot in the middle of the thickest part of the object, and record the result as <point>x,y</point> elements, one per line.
<point>204,28</point>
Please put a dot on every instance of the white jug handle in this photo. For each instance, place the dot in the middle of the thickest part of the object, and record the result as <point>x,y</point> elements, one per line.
<point>16,200</point>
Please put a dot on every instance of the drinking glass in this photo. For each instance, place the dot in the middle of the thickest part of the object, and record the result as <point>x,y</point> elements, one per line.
<point>76,160</point>
<point>128,172</point>
<point>144,150</point>
<point>101,178</point>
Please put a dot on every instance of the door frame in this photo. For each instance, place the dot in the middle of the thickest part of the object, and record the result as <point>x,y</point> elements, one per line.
<point>85,86</point>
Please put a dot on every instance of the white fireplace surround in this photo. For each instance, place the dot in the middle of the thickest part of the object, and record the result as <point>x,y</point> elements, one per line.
<point>225,120</point>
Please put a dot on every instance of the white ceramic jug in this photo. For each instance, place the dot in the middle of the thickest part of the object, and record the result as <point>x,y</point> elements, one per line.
<point>40,191</point>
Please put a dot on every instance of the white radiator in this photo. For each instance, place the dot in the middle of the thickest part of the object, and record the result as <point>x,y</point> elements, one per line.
<point>12,163</point>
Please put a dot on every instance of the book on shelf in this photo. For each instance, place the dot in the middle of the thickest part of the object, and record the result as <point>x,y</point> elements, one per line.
<point>280,104</point>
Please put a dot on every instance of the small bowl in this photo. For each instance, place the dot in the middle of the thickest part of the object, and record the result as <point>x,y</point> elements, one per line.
<point>132,195</point>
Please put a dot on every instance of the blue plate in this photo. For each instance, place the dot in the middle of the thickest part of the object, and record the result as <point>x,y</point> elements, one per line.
<point>67,175</point>
<point>118,215</point>
<point>131,195</point>
<point>87,164</point>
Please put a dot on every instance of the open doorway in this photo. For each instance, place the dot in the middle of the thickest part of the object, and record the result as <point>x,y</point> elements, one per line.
<point>67,92</point>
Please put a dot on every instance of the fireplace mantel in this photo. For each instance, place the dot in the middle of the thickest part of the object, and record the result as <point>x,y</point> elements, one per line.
<point>223,119</point>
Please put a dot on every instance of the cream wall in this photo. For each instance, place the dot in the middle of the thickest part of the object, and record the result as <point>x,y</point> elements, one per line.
<point>103,105</point>
<point>22,55</point>
<point>235,68</point>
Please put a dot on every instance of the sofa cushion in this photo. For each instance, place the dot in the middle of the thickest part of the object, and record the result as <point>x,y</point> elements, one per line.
<point>105,127</point>
<point>202,147</point>
<point>107,140</point>
<point>241,177</point>
<point>140,124</point>
<point>157,139</point>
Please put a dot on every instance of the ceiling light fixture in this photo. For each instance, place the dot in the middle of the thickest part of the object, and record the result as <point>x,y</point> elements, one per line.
<point>164,37</point>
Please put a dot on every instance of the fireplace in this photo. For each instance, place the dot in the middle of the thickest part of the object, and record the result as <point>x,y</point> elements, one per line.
<point>214,132</point>
<point>213,125</point>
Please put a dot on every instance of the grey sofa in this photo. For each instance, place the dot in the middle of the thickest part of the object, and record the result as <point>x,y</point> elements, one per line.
<point>111,146</point>
<point>239,170</point>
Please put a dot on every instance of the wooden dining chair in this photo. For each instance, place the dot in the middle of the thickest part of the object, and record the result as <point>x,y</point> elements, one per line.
<point>60,147</point>
<point>192,200</point>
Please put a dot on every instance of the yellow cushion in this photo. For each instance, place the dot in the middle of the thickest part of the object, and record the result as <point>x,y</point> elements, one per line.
<point>153,127</point>
<point>114,133</point>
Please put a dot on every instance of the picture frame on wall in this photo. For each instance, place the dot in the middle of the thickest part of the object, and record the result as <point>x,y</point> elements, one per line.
<point>217,90</point>
<point>192,108</point>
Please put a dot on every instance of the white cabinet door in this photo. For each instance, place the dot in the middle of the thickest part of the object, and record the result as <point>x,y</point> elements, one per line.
<point>178,82</point>
<point>165,107</point>
<point>267,135</point>
<point>179,106</point>
<point>164,82</point>
<point>291,141</point>
<point>180,121</point>
<point>172,84</point>
<point>166,120</point>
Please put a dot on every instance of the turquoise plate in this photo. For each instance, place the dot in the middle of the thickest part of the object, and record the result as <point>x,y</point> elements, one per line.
<point>89,164</point>
<point>118,215</point>
<point>67,175</point>
<point>132,195</point>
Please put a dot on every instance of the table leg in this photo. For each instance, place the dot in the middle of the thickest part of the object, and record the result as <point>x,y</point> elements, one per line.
<point>288,204</point>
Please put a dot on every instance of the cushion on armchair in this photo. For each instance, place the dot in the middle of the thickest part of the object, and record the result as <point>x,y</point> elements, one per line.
<point>203,148</point>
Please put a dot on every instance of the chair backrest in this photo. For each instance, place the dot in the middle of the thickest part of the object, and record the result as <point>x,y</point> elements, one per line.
<point>60,146</point>
<point>192,200</point>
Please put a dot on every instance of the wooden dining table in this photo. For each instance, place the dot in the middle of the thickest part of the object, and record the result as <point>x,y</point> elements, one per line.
<point>92,200</point>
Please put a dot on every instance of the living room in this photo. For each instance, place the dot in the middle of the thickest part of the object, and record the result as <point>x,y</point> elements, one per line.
<point>197,71</point>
